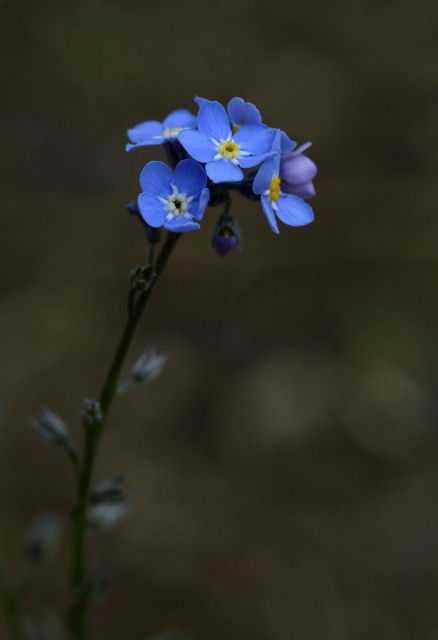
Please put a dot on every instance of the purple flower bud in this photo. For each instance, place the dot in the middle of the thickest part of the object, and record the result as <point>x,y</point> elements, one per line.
<point>297,172</point>
<point>224,243</point>
<point>226,235</point>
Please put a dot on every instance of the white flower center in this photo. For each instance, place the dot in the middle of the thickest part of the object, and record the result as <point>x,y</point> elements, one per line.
<point>177,204</point>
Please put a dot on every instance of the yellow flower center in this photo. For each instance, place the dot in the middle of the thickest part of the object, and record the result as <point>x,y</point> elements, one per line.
<point>274,189</point>
<point>229,150</point>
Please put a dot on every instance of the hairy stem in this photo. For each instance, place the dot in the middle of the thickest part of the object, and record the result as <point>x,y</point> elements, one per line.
<point>79,614</point>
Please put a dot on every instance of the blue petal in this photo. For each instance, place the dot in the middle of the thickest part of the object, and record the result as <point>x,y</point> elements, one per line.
<point>223,170</point>
<point>180,118</point>
<point>190,177</point>
<point>181,225</point>
<point>156,178</point>
<point>262,181</point>
<point>213,121</point>
<point>242,112</point>
<point>269,213</point>
<point>286,144</point>
<point>151,209</point>
<point>200,101</point>
<point>145,131</point>
<point>199,147</point>
<point>203,203</point>
<point>294,211</point>
<point>276,142</point>
<point>256,138</point>
<point>251,161</point>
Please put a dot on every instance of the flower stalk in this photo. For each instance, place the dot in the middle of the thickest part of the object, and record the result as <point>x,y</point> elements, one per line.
<point>78,620</point>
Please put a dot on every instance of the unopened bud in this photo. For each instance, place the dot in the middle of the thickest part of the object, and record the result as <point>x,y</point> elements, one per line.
<point>226,235</point>
<point>106,515</point>
<point>108,490</point>
<point>51,428</point>
<point>148,367</point>
<point>140,277</point>
<point>91,413</point>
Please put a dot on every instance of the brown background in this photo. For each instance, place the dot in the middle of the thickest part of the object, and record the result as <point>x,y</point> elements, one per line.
<point>284,466</point>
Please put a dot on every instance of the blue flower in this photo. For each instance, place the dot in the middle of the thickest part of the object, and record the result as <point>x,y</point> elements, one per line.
<point>239,112</point>
<point>290,209</point>
<point>223,153</point>
<point>153,132</point>
<point>173,200</point>
<point>242,113</point>
<point>297,172</point>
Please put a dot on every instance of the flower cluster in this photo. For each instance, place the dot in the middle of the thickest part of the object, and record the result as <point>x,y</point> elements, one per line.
<point>212,155</point>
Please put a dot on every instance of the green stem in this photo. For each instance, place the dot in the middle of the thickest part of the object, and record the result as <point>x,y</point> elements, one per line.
<point>78,619</point>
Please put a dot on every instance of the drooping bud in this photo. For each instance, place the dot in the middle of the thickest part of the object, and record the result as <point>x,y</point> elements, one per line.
<point>51,428</point>
<point>105,516</point>
<point>109,503</point>
<point>148,367</point>
<point>108,490</point>
<point>226,235</point>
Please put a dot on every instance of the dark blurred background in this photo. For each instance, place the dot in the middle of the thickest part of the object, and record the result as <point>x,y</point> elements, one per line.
<point>284,466</point>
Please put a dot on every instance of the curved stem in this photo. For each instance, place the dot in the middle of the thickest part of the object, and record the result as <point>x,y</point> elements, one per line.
<point>78,619</point>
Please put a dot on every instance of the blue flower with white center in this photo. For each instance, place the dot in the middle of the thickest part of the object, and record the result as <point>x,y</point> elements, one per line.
<point>223,153</point>
<point>153,132</point>
<point>290,209</point>
<point>174,201</point>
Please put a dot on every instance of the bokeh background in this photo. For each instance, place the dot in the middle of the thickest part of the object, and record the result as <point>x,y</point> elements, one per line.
<point>284,466</point>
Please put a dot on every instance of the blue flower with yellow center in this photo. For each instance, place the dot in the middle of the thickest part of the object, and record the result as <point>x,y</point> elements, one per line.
<point>175,201</point>
<point>290,209</point>
<point>223,152</point>
<point>241,113</point>
<point>153,132</point>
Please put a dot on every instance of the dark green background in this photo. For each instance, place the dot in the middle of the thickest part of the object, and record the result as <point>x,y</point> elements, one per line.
<point>284,466</point>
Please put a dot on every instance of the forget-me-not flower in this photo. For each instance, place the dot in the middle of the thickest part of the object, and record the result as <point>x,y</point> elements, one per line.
<point>174,201</point>
<point>290,209</point>
<point>153,132</point>
<point>222,152</point>
<point>239,112</point>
